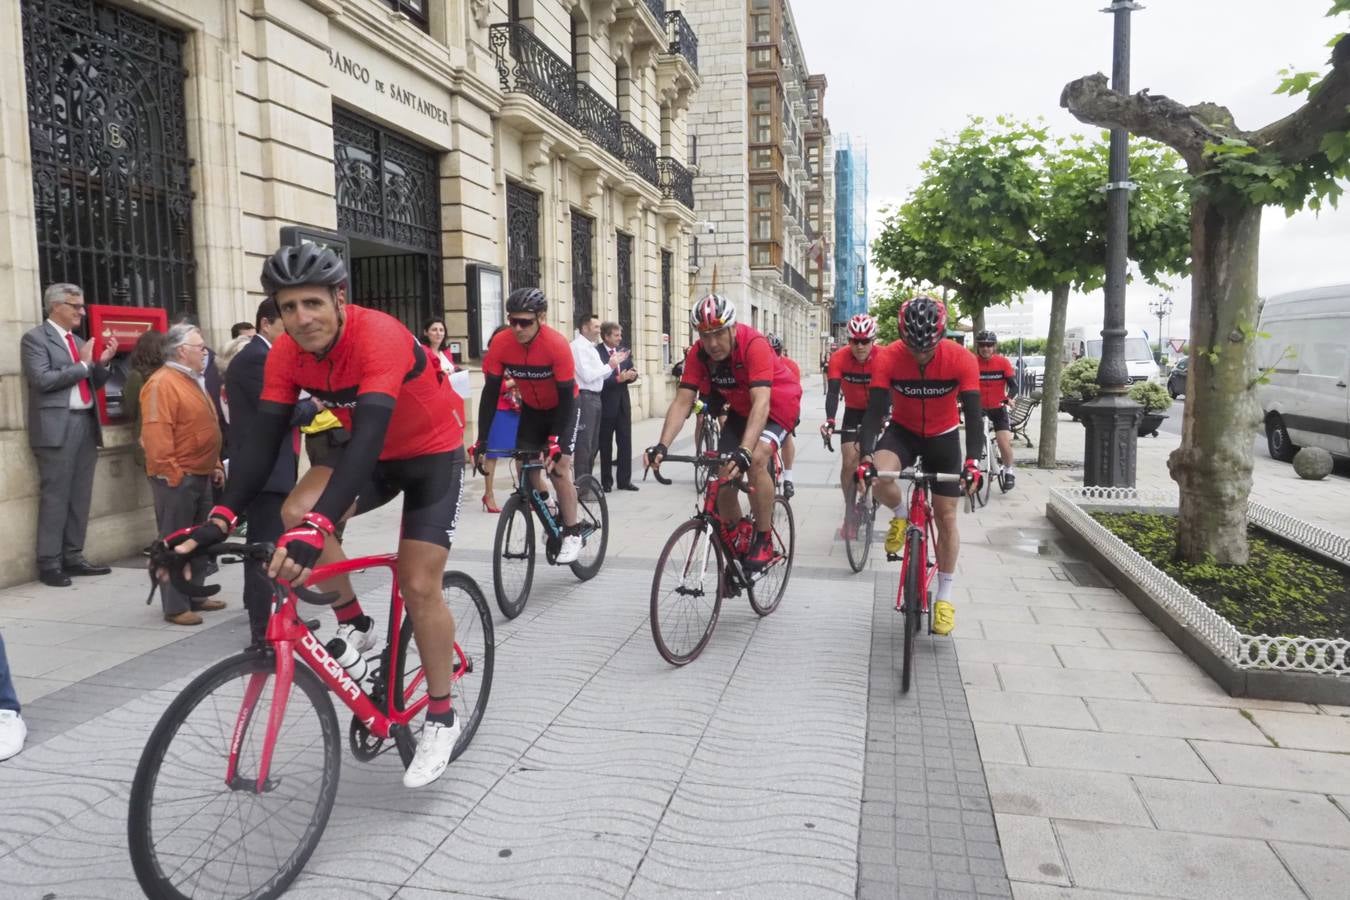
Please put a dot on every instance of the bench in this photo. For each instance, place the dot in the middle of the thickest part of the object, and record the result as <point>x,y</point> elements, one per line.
<point>1019,415</point>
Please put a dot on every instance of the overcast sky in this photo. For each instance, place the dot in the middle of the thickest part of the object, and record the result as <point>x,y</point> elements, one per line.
<point>903,73</point>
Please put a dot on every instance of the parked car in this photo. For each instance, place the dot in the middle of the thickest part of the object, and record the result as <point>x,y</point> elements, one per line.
<point>1140,363</point>
<point>1033,373</point>
<point>1305,355</point>
<point>1176,380</point>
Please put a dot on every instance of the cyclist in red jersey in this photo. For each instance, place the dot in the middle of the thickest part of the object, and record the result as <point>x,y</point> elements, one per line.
<point>790,445</point>
<point>998,385</point>
<point>927,382</point>
<point>849,372</point>
<point>541,362</point>
<point>736,363</point>
<point>407,435</point>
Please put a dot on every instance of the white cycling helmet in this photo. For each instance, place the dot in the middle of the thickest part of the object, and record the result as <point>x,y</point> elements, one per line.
<point>862,327</point>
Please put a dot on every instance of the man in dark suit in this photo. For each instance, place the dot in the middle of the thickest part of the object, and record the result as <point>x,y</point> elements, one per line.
<point>63,431</point>
<point>243,391</point>
<point>616,411</point>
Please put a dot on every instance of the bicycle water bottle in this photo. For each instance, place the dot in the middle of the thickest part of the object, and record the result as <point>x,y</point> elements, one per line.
<point>349,658</point>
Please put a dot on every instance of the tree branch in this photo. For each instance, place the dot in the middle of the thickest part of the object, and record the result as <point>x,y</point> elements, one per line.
<point>1186,129</point>
<point>1299,135</point>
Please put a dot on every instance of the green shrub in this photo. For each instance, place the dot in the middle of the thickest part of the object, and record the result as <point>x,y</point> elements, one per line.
<point>1281,591</point>
<point>1079,381</point>
<point>1153,397</point>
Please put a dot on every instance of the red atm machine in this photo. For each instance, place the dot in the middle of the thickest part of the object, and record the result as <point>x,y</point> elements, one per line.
<point>127,324</point>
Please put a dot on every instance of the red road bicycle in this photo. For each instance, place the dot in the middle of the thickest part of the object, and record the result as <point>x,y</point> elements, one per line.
<point>918,562</point>
<point>235,786</point>
<point>700,565</point>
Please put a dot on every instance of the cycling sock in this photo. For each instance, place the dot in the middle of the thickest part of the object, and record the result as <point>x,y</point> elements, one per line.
<point>944,587</point>
<point>438,710</point>
<point>1009,467</point>
<point>899,511</point>
<point>787,474</point>
<point>349,612</point>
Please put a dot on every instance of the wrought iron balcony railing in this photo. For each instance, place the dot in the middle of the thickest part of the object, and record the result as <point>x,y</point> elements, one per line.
<point>598,120</point>
<point>658,10</point>
<point>676,181</point>
<point>795,280</point>
<point>526,65</point>
<point>683,41</point>
<point>639,153</point>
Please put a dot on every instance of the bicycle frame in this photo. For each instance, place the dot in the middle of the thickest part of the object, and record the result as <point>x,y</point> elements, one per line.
<point>920,522</point>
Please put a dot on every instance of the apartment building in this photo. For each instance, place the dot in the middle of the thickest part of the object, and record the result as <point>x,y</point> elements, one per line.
<point>850,231</point>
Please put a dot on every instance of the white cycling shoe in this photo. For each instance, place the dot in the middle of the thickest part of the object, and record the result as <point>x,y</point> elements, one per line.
<point>355,637</point>
<point>433,754</point>
<point>570,549</point>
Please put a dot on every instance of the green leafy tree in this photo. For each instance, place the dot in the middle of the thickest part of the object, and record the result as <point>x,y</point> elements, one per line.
<point>886,309</point>
<point>1296,162</point>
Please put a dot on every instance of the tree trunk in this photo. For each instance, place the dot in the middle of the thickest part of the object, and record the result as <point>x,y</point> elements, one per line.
<point>977,324</point>
<point>1054,367</point>
<point>1213,465</point>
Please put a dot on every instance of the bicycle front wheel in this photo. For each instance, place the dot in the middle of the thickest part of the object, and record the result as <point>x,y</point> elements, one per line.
<point>513,557</point>
<point>987,477</point>
<point>707,443</point>
<point>766,591</point>
<point>911,607</point>
<point>593,520</point>
<point>687,592</point>
<point>858,523</point>
<point>475,649</point>
<point>200,824</point>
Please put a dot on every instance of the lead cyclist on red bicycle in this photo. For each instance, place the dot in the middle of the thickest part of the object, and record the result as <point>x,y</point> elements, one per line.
<point>926,381</point>
<point>407,435</point>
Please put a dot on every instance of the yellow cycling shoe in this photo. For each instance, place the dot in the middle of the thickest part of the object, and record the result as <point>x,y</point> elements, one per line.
<point>944,617</point>
<point>895,535</point>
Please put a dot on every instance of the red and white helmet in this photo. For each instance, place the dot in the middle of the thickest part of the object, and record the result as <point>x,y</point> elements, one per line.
<point>862,327</point>
<point>712,313</point>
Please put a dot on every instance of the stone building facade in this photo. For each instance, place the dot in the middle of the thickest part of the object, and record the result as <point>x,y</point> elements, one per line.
<point>155,152</point>
<point>765,201</point>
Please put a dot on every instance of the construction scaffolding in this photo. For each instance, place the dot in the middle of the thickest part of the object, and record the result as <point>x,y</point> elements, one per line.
<point>850,228</point>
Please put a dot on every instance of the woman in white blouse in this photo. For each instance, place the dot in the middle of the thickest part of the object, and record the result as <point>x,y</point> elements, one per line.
<point>433,338</point>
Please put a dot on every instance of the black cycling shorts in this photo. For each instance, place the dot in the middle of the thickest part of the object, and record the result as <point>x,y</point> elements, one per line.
<point>538,425</point>
<point>998,417</point>
<point>851,431</point>
<point>735,428</point>
<point>941,453</point>
<point>714,404</point>
<point>432,487</point>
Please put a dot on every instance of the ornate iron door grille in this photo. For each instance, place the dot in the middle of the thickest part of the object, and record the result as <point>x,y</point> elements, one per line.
<point>522,237</point>
<point>625,260</point>
<point>583,271</point>
<point>667,289</point>
<point>107,123</point>
<point>388,191</point>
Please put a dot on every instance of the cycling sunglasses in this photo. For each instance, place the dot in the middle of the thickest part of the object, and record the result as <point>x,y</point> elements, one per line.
<point>860,341</point>
<point>521,323</point>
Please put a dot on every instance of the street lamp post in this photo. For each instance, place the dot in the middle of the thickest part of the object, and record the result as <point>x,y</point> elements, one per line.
<point>1162,308</point>
<point>1111,421</point>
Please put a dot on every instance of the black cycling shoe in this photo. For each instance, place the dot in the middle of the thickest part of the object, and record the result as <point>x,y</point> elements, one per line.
<point>1007,481</point>
<point>788,490</point>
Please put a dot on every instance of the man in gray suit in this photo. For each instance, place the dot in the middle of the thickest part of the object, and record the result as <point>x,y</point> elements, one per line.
<point>63,431</point>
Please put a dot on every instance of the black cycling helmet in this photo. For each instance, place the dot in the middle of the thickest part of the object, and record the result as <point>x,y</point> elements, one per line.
<point>923,322</point>
<point>308,263</point>
<point>527,300</point>
<point>776,343</point>
<point>986,337</point>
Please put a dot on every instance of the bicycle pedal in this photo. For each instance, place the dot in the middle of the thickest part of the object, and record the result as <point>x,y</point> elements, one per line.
<point>894,557</point>
<point>312,624</point>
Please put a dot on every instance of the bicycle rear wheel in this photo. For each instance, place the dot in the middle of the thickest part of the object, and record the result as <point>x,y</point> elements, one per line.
<point>476,648</point>
<point>858,523</point>
<point>987,476</point>
<point>912,608</point>
<point>593,519</point>
<point>513,557</point>
<point>766,591</point>
<point>195,831</point>
<point>687,592</point>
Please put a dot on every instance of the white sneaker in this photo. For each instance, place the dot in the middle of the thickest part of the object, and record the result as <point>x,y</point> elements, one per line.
<point>570,549</point>
<point>433,754</point>
<point>355,637</point>
<point>13,732</point>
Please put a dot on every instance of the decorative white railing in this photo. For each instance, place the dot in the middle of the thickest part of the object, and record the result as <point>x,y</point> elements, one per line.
<point>1246,651</point>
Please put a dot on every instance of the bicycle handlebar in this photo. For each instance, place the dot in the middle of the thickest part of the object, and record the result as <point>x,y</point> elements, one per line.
<point>710,462</point>
<point>928,478</point>
<point>162,556</point>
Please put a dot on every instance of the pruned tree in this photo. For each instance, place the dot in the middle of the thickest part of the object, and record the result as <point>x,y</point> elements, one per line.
<point>1072,230</point>
<point>1295,162</point>
<point>886,308</point>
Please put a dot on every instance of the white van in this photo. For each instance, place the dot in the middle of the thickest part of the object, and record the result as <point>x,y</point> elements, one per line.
<point>1083,341</point>
<point>1306,355</point>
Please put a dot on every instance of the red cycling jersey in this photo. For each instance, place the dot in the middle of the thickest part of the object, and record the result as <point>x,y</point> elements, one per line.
<point>795,369</point>
<point>374,354</point>
<point>854,377</point>
<point>537,366</point>
<point>752,364</point>
<point>996,373</point>
<point>927,401</point>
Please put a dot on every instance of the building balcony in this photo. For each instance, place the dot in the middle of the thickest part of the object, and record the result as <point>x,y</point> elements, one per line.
<point>598,120</point>
<point>525,65</point>
<point>647,18</point>
<point>683,41</point>
<point>677,183</point>
<point>797,282</point>
<point>639,154</point>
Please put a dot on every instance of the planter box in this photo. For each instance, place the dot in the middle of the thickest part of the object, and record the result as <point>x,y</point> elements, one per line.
<point>1309,670</point>
<point>1149,424</point>
<point>1071,407</point>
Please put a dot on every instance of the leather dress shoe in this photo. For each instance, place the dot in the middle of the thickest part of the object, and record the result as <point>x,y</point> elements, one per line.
<point>608,488</point>
<point>628,487</point>
<point>209,606</point>
<point>54,578</point>
<point>83,567</point>
<point>186,617</point>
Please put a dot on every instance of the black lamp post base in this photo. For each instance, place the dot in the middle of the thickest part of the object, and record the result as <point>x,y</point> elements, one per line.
<point>1112,441</point>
